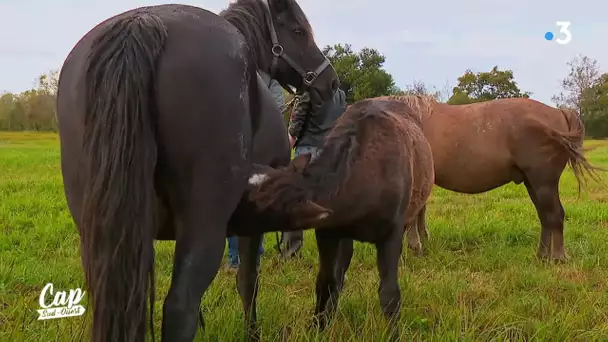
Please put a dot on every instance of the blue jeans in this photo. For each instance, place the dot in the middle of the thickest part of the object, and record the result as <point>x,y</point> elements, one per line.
<point>233,251</point>
<point>314,151</point>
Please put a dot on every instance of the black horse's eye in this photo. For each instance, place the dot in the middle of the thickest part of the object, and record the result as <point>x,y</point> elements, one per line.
<point>298,31</point>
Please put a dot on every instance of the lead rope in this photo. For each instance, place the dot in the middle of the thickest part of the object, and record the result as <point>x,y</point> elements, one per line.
<point>292,103</point>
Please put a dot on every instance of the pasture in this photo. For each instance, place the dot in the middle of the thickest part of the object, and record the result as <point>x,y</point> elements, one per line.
<point>479,279</point>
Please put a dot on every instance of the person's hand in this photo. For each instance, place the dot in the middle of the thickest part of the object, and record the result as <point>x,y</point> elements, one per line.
<point>292,141</point>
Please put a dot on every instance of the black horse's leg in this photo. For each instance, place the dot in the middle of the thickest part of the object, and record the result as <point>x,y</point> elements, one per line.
<point>246,280</point>
<point>327,281</point>
<point>197,261</point>
<point>389,252</point>
<point>201,232</point>
<point>345,254</point>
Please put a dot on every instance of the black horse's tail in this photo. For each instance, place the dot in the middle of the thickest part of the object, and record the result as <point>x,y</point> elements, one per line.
<point>117,221</point>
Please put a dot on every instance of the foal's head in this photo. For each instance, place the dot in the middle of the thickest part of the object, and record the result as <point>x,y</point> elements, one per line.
<point>282,195</point>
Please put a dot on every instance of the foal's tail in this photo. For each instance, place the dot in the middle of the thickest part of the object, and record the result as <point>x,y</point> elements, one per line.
<point>572,144</point>
<point>117,221</point>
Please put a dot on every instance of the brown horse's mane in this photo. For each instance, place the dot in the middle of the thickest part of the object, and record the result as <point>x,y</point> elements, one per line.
<point>419,105</point>
<point>324,177</point>
<point>250,18</point>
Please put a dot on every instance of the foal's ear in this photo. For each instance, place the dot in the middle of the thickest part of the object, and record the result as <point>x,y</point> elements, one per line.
<point>300,162</point>
<point>314,212</point>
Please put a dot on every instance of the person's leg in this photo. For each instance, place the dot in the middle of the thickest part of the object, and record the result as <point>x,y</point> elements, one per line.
<point>233,252</point>
<point>261,251</point>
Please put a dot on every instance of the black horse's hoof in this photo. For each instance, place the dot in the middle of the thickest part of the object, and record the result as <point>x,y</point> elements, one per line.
<point>253,337</point>
<point>318,322</point>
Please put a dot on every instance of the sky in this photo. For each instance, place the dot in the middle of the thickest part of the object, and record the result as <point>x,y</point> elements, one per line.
<point>433,41</point>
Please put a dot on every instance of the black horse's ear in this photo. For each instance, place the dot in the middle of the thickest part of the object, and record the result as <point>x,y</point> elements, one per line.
<point>280,6</point>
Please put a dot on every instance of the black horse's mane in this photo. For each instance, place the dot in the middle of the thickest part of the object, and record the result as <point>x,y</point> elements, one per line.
<point>250,18</point>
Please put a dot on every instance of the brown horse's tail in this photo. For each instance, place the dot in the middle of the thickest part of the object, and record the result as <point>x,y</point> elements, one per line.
<point>572,143</point>
<point>117,221</point>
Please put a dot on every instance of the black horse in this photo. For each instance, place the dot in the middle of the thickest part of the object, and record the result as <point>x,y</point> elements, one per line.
<point>158,111</point>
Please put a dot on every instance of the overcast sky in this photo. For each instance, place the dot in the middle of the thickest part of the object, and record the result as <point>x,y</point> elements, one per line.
<point>429,40</point>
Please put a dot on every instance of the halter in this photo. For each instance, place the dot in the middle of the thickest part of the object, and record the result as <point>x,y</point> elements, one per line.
<point>308,77</point>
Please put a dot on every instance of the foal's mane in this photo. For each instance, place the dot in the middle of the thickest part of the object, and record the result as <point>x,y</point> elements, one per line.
<point>324,177</point>
<point>250,18</point>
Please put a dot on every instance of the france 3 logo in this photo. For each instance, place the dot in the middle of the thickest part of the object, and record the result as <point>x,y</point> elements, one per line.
<point>564,30</point>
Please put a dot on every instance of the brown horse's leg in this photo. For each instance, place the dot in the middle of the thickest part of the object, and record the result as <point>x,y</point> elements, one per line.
<point>544,193</point>
<point>423,230</point>
<point>246,281</point>
<point>388,255</point>
<point>417,233</point>
<point>327,281</point>
<point>413,237</point>
<point>345,254</point>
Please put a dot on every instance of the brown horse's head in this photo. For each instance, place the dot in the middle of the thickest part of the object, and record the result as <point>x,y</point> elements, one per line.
<point>283,199</point>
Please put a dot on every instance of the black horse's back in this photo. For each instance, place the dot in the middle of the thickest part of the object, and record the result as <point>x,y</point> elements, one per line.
<point>162,85</point>
<point>158,111</point>
<point>114,70</point>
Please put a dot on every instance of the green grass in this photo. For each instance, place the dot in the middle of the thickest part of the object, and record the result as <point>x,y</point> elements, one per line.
<point>479,280</point>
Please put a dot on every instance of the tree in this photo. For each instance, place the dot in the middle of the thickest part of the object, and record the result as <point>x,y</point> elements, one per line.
<point>420,88</point>
<point>584,74</point>
<point>33,109</point>
<point>594,104</point>
<point>486,86</point>
<point>361,73</point>
<point>49,82</point>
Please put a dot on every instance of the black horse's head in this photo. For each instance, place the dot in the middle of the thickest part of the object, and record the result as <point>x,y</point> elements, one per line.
<point>302,63</point>
<point>283,38</point>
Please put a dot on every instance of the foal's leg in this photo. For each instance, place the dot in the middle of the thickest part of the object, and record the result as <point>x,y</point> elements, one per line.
<point>544,193</point>
<point>389,252</point>
<point>247,283</point>
<point>327,280</point>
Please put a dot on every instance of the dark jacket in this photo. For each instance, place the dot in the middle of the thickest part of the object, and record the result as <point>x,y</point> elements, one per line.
<point>309,127</point>
<point>275,89</point>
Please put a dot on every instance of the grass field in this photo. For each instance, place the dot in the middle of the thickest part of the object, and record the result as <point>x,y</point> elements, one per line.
<point>480,279</point>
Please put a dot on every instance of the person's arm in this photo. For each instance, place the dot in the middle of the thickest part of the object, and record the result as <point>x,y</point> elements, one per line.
<point>298,117</point>
<point>277,94</point>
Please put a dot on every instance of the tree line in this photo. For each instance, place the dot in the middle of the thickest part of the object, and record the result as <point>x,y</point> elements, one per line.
<point>362,75</point>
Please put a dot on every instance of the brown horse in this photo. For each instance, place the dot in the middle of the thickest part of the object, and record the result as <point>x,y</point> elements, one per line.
<point>161,115</point>
<point>479,147</point>
<point>371,180</point>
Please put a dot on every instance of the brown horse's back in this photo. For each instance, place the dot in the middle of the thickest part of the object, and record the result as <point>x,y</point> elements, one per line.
<point>481,146</point>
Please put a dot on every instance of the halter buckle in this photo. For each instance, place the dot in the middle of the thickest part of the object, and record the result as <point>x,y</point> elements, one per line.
<point>277,50</point>
<point>310,77</point>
